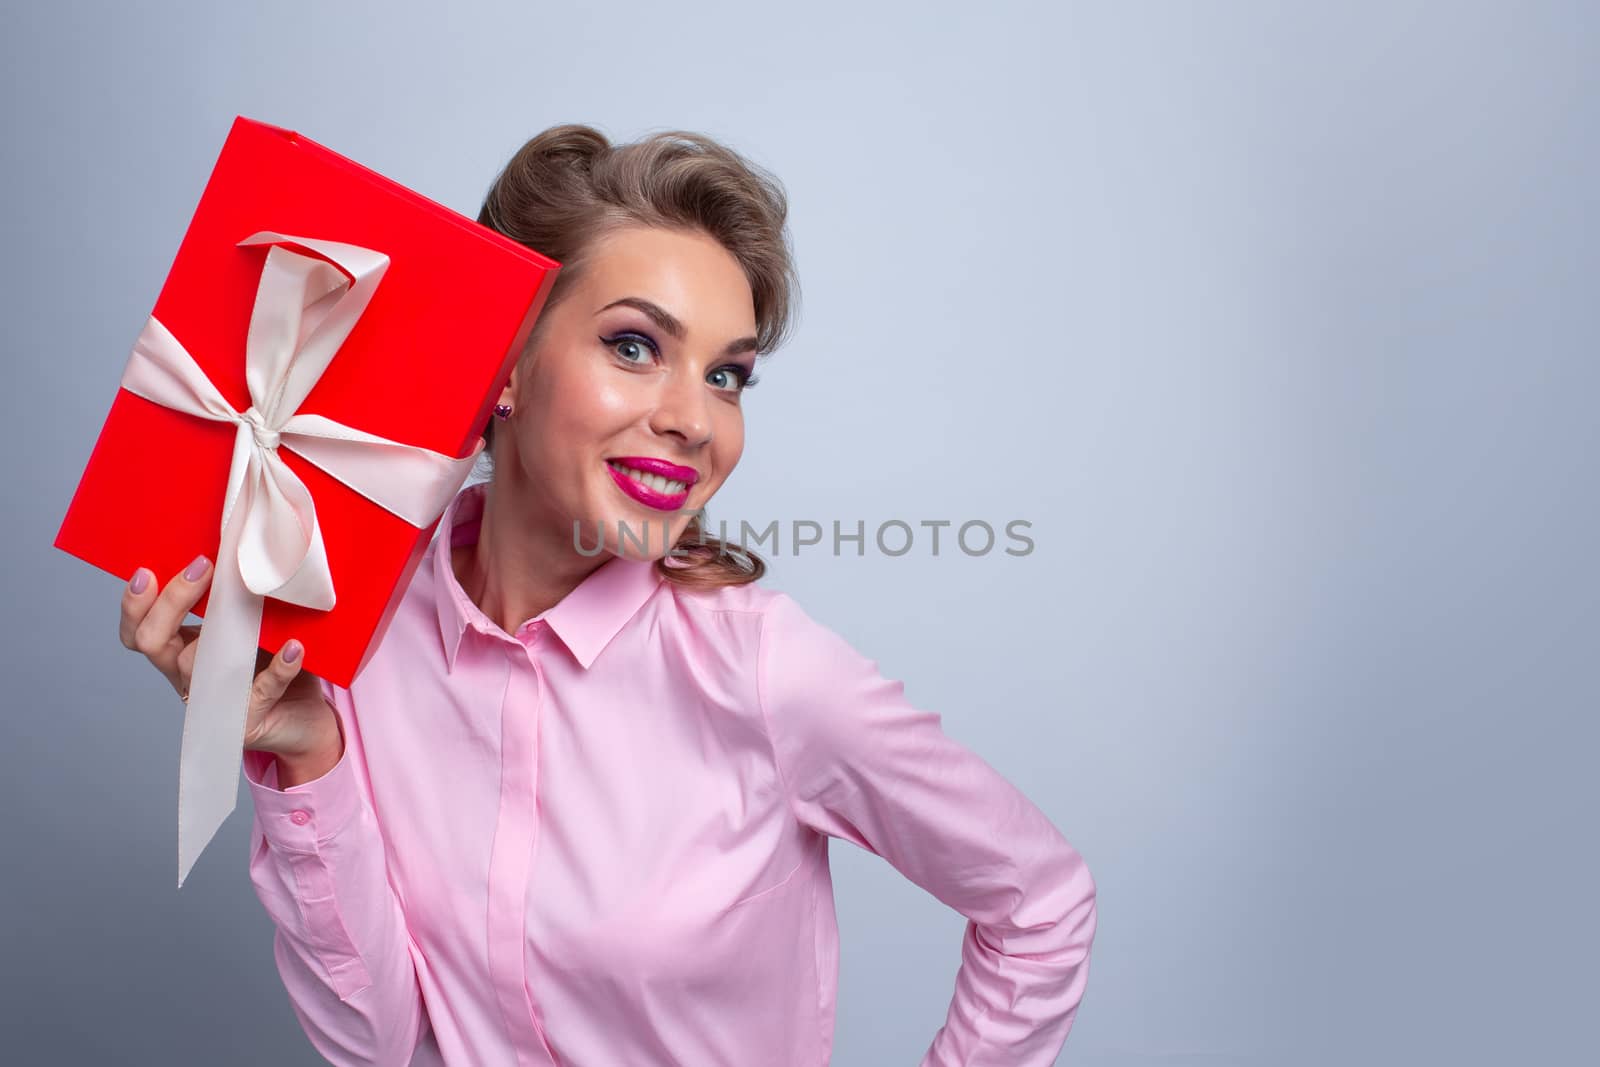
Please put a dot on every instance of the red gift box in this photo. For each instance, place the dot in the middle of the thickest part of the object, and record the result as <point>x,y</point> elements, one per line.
<point>423,365</point>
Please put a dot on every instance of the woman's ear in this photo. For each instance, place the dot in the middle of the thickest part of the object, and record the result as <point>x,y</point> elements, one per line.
<point>508,395</point>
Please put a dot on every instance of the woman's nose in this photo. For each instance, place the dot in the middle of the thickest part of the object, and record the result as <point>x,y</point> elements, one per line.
<point>683,409</point>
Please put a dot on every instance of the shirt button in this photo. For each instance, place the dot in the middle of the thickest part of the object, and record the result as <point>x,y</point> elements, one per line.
<point>299,817</point>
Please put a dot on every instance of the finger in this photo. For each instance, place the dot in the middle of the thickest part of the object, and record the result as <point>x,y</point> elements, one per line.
<point>137,596</point>
<point>185,662</point>
<point>271,683</point>
<point>157,635</point>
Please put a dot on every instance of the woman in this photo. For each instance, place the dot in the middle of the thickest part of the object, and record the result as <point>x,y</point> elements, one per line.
<point>575,810</point>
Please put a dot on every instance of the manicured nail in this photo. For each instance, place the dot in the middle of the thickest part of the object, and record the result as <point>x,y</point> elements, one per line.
<point>291,651</point>
<point>141,581</point>
<point>197,568</point>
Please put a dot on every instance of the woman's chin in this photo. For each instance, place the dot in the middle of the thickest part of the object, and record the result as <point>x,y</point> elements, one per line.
<point>637,536</point>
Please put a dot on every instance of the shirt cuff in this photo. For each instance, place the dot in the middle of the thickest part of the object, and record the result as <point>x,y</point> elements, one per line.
<point>298,818</point>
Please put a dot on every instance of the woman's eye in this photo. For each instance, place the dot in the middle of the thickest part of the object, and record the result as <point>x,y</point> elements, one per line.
<point>630,349</point>
<point>732,378</point>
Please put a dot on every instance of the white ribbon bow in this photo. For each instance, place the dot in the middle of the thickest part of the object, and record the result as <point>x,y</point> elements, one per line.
<point>271,541</point>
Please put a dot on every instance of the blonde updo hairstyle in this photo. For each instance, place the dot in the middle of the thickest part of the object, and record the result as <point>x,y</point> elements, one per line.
<point>570,185</point>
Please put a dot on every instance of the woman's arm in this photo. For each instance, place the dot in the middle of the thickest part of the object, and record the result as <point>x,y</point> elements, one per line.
<point>860,762</point>
<point>317,863</point>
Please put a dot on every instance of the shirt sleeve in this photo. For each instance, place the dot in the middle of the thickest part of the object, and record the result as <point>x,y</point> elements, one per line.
<point>860,762</point>
<point>317,862</point>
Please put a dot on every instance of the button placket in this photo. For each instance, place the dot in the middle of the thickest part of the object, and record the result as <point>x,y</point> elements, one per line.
<point>511,858</point>
<point>537,633</point>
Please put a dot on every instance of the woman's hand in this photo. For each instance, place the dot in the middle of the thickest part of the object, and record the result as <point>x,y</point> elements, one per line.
<point>288,716</point>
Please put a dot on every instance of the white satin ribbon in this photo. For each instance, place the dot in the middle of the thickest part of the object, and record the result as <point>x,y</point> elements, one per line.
<point>271,541</point>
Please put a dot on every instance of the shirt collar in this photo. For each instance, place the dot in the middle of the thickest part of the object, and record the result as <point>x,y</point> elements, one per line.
<point>586,619</point>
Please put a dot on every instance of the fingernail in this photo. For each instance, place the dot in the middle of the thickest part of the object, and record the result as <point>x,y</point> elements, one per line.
<point>141,580</point>
<point>291,651</point>
<point>197,568</point>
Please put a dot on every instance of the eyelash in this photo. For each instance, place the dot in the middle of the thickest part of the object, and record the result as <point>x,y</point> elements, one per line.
<point>744,384</point>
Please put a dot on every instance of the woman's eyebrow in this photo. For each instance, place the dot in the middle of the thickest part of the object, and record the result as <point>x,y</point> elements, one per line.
<point>672,327</point>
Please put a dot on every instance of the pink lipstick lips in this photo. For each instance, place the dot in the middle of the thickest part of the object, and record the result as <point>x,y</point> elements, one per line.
<point>658,484</point>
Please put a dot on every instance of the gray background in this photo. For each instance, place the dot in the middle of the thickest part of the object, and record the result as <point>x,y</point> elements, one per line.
<point>1277,321</point>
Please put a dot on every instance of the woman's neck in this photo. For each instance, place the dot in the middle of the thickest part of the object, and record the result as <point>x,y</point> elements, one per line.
<point>513,576</point>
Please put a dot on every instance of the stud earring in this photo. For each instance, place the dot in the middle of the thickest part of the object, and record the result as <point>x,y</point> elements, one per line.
<point>502,411</point>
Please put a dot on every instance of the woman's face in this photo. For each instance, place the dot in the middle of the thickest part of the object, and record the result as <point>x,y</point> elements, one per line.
<point>639,367</point>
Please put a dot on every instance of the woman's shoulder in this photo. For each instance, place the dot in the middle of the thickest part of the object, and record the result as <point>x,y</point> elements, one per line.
<point>747,598</point>
<point>769,614</point>
<point>720,597</point>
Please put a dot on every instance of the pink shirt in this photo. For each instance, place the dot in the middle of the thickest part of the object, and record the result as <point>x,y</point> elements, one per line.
<point>603,840</point>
